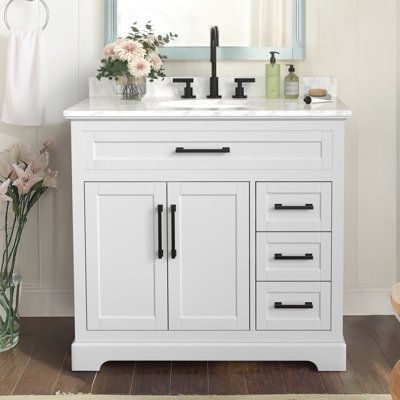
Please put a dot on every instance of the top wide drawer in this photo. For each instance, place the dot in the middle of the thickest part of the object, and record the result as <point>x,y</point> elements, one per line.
<point>294,206</point>
<point>207,150</point>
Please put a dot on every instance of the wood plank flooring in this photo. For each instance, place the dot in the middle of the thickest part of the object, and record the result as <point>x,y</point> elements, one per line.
<point>41,365</point>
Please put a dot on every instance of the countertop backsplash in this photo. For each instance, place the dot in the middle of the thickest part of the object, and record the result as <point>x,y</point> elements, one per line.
<point>164,89</point>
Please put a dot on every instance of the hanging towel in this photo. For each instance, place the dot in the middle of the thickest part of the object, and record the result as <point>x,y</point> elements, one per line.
<point>25,91</point>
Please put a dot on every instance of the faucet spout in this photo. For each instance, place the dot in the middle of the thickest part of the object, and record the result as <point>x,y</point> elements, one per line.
<point>214,43</point>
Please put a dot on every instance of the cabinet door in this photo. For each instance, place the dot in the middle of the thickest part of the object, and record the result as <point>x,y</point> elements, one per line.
<point>126,279</point>
<point>209,272</point>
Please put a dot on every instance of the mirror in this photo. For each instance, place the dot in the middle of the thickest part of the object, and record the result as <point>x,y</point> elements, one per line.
<point>249,29</point>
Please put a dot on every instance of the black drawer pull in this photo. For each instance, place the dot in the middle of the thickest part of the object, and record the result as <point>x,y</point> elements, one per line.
<point>173,232</point>
<point>305,257</point>
<point>307,305</point>
<point>160,210</point>
<point>222,150</point>
<point>305,207</point>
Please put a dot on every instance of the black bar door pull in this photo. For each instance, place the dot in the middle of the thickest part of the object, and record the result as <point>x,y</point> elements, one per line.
<point>305,257</point>
<point>306,305</point>
<point>160,209</point>
<point>173,233</point>
<point>305,207</point>
<point>222,150</point>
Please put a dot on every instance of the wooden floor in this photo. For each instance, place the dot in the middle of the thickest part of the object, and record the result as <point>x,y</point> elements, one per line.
<point>41,365</point>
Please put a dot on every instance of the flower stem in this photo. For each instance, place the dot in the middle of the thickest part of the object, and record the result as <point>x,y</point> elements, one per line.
<point>5,253</point>
<point>4,265</point>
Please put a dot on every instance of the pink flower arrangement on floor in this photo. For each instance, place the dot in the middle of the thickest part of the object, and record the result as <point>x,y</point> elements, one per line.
<point>25,176</point>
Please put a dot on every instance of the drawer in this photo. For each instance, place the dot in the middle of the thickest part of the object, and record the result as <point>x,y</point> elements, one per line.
<point>293,306</point>
<point>304,256</point>
<point>294,206</point>
<point>207,150</point>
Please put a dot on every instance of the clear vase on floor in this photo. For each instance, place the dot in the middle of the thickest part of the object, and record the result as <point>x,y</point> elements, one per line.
<point>9,312</point>
<point>132,88</point>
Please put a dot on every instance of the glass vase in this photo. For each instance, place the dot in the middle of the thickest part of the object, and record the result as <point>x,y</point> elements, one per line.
<point>10,292</point>
<point>132,88</point>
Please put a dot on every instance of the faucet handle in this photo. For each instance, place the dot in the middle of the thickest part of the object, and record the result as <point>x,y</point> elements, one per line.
<point>239,93</point>
<point>188,94</point>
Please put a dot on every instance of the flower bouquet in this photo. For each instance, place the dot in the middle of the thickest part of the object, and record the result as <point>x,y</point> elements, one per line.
<point>132,60</point>
<point>25,176</point>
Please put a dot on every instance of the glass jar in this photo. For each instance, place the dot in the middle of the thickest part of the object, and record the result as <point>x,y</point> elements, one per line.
<point>132,88</point>
<point>10,292</point>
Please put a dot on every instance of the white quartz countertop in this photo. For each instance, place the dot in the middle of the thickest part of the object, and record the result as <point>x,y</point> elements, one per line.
<point>112,108</point>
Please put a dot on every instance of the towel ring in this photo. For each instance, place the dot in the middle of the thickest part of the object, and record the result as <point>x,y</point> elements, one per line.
<point>46,7</point>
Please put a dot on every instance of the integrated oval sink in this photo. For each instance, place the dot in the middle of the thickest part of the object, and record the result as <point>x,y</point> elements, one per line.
<point>205,104</point>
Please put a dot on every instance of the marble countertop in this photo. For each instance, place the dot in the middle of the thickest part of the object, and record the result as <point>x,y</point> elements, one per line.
<point>112,108</point>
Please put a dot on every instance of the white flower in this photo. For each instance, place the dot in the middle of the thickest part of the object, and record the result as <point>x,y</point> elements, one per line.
<point>39,163</point>
<point>127,50</point>
<point>20,152</point>
<point>47,145</point>
<point>6,168</point>
<point>155,60</point>
<point>109,51</point>
<point>150,39</point>
<point>3,191</point>
<point>26,179</point>
<point>50,180</point>
<point>139,67</point>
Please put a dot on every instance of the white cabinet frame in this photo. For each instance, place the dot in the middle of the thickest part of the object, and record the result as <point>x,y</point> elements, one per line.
<point>326,348</point>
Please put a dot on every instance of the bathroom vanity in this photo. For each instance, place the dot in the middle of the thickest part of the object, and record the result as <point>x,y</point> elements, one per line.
<point>210,233</point>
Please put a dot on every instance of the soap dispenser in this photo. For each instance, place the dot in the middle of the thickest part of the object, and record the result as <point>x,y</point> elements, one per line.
<point>291,84</point>
<point>273,78</point>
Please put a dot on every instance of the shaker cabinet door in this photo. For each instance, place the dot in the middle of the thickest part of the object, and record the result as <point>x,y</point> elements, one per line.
<point>208,255</point>
<point>126,278</point>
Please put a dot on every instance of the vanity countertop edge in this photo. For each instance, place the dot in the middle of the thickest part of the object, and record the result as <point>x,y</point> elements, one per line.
<point>113,108</point>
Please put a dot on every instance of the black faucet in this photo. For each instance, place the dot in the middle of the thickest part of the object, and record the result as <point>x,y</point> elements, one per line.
<point>214,43</point>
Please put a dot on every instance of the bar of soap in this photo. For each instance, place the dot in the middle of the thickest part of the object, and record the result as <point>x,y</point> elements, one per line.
<point>318,92</point>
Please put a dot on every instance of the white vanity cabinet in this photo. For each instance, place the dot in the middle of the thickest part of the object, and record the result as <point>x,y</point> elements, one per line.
<point>207,236</point>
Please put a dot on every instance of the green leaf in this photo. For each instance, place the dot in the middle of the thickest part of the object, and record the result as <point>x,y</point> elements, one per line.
<point>13,193</point>
<point>36,186</point>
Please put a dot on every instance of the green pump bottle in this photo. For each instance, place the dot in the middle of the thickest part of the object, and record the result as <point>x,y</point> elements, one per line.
<point>273,78</point>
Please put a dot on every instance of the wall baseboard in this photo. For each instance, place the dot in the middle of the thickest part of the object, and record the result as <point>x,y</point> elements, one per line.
<point>47,302</point>
<point>367,301</point>
<point>59,302</point>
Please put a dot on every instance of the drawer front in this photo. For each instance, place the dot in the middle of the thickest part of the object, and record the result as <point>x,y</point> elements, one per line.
<point>293,306</point>
<point>207,150</point>
<point>285,256</point>
<point>294,206</point>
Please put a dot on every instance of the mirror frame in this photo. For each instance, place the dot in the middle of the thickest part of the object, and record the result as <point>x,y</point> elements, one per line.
<point>297,52</point>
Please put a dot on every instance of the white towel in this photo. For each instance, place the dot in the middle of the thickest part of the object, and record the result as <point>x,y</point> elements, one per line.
<point>25,91</point>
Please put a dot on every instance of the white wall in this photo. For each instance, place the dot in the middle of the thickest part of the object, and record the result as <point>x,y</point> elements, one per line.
<point>343,39</point>
<point>398,140</point>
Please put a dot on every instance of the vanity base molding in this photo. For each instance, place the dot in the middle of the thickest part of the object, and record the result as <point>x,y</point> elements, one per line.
<point>326,356</point>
